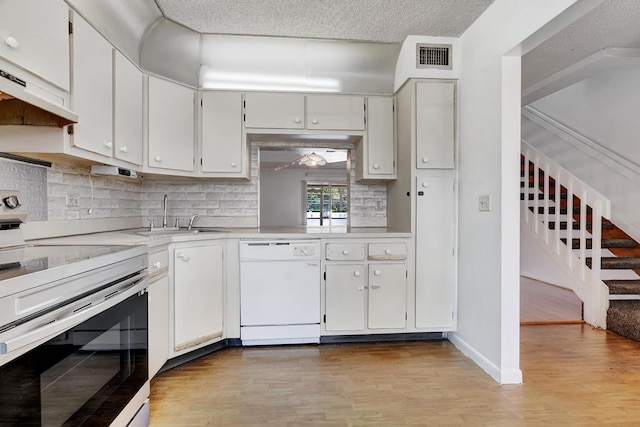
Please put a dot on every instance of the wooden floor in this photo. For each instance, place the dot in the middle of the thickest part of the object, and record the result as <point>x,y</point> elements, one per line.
<point>544,303</point>
<point>573,376</point>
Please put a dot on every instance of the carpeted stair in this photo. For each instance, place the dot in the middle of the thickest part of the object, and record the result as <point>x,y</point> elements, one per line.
<point>623,316</point>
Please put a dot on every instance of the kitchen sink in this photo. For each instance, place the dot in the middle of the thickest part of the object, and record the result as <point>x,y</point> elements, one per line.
<point>171,231</point>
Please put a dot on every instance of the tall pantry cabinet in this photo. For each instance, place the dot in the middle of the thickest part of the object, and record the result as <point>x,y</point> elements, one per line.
<point>423,198</point>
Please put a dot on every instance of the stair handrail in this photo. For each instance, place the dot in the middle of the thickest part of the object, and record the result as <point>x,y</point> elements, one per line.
<point>593,291</point>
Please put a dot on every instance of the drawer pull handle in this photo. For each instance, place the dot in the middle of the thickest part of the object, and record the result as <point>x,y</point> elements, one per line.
<point>157,264</point>
<point>377,272</point>
<point>296,120</point>
<point>375,286</point>
<point>356,273</point>
<point>425,160</point>
<point>388,251</point>
<point>376,166</point>
<point>345,252</point>
<point>158,158</point>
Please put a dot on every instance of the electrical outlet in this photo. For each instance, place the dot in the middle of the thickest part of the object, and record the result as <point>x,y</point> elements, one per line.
<point>484,203</point>
<point>73,200</point>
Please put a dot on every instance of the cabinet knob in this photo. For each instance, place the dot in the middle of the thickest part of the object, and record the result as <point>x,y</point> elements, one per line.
<point>11,41</point>
<point>183,257</point>
<point>425,160</point>
<point>234,164</point>
<point>387,251</point>
<point>124,149</point>
<point>314,121</point>
<point>296,120</point>
<point>356,273</point>
<point>425,184</point>
<point>376,166</point>
<point>157,264</point>
<point>375,286</point>
<point>377,272</point>
<point>108,144</point>
<point>158,158</point>
<point>360,288</point>
<point>345,252</point>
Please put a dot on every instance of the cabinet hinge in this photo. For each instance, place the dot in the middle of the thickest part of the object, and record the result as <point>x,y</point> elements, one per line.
<point>406,274</point>
<point>324,318</point>
<point>201,103</point>
<point>244,117</point>
<point>70,27</point>
<point>325,275</point>
<point>70,129</point>
<point>200,161</point>
<point>405,315</point>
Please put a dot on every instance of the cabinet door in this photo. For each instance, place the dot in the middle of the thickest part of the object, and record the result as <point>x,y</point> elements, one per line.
<point>345,297</point>
<point>92,92</point>
<point>387,295</point>
<point>335,112</point>
<point>171,124</point>
<point>158,324</point>
<point>40,30</point>
<point>127,124</point>
<point>379,143</point>
<point>274,110</point>
<point>435,125</point>
<point>435,274</point>
<point>198,295</point>
<point>223,149</point>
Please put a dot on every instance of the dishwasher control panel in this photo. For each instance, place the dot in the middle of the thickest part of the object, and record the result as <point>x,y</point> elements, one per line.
<point>279,250</point>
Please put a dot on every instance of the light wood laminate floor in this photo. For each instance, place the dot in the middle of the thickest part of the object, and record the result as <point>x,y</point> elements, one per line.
<point>544,303</point>
<point>573,376</point>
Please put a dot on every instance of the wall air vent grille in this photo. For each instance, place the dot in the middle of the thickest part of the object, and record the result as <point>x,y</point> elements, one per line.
<point>433,56</point>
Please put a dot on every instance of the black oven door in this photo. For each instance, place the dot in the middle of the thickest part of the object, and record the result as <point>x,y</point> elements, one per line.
<point>84,376</point>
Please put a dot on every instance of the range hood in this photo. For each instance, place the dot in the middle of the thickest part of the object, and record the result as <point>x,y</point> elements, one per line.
<point>20,105</point>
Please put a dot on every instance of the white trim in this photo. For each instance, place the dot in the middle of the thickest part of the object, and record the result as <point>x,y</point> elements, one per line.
<point>508,376</point>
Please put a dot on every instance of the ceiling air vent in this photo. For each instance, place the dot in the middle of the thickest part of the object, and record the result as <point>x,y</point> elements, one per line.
<point>433,56</point>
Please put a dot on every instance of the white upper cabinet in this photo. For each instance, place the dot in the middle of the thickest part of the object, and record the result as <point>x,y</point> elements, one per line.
<point>91,92</point>
<point>274,110</point>
<point>335,112</point>
<point>127,125</point>
<point>171,126</point>
<point>376,153</point>
<point>224,148</point>
<point>35,36</point>
<point>435,124</point>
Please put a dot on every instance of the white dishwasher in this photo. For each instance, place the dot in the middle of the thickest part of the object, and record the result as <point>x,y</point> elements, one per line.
<point>279,292</point>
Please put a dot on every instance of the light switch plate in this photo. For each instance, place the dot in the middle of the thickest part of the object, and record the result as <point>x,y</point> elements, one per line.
<point>484,203</point>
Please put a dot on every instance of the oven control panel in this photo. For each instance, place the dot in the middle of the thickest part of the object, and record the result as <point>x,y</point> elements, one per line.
<point>11,208</point>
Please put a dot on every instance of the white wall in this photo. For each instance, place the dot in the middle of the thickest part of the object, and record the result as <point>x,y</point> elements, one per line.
<point>489,147</point>
<point>603,108</point>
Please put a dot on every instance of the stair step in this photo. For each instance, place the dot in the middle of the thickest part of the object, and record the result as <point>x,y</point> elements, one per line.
<point>623,318</point>
<point>605,243</point>
<point>606,225</point>
<point>552,210</point>
<point>617,263</point>
<point>623,287</point>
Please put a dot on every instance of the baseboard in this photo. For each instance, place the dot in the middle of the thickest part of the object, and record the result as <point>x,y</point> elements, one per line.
<point>506,376</point>
<point>421,336</point>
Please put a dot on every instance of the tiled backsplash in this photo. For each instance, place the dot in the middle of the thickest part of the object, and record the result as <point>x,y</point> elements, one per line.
<point>46,192</point>
<point>31,181</point>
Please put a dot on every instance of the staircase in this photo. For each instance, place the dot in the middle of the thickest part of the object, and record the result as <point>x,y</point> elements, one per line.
<point>571,219</point>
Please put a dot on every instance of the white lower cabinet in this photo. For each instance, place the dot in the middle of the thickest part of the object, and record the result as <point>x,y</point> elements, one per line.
<point>435,258</point>
<point>198,295</point>
<point>369,296</point>
<point>158,324</point>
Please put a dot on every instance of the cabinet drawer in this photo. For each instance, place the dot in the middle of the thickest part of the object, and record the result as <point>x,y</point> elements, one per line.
<point>390,251</point>
<point>158,262</point>
<point>345,251</point>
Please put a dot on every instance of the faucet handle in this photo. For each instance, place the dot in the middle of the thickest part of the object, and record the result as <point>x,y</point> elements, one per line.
<point>177,225</point>
<point>191,219</point>
<point>151,224</point>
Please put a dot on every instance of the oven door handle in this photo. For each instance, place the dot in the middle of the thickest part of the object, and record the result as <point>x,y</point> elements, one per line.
<point>55,327</point>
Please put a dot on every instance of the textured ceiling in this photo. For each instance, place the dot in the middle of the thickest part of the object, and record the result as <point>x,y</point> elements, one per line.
<point>362,20</point>
<point>614,23</point>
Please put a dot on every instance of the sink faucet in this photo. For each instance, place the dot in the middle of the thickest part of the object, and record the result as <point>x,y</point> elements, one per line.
<point>191,218</point>
<point>164,214</point>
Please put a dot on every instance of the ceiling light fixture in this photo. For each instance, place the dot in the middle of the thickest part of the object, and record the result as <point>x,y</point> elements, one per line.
<point>307,159</point>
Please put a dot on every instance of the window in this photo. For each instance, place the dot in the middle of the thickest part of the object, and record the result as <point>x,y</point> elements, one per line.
<point>327,204</point>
